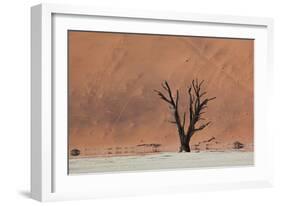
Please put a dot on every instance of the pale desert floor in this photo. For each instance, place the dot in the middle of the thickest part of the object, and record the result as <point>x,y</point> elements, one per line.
<point>168,160</point>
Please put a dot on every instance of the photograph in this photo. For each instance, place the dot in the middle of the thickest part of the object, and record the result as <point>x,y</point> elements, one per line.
<point>140,102</point>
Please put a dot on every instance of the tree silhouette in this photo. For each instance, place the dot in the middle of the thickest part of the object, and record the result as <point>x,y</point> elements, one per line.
<point>197,107</point>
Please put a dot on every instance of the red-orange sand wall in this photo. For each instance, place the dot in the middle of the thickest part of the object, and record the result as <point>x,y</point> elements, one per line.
<point>111,82</point>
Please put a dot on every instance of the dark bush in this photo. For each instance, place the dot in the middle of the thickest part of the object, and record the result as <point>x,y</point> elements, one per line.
<point>238,145</point>
<point>75,152</point>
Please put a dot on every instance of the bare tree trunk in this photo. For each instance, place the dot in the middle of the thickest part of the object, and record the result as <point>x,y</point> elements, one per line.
<point>185,145</point>
<point>185,148</point>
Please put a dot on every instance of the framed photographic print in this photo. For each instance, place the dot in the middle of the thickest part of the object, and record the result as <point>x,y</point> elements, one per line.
<point>126,99</point>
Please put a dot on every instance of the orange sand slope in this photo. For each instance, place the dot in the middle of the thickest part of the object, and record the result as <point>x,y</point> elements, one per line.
<point>111,82</point>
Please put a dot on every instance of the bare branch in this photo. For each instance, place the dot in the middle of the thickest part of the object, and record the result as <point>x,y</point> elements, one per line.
<point>194,87</point>
<point>202,113</point>
<point>201,95</point>
<point>202,126</point>
<point>212,98</point>
<point>201,83</point>
<point>170,93</point>
<point>196,107</point>
<point>172,122</point>
<point>191,99</point>
<point>164,86</point>
<point>173,105</point>
<point>204,107</point>
<point>183,121</point>
<point>177,98</point>
<point>205,101</point>
<point>198,87</point>
<point>163,96</point>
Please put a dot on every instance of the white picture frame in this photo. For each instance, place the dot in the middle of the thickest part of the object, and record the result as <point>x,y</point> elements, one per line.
<point>49,179</point>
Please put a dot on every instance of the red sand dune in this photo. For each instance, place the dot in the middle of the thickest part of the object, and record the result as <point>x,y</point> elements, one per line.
<point>112,77</point>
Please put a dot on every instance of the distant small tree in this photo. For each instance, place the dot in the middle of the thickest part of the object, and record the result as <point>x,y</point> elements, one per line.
<point>197,105</point>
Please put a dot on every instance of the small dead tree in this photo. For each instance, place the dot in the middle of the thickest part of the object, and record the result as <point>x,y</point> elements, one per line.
<point>197,106</point>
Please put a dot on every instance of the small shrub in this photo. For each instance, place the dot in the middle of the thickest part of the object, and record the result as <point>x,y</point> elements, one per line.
<point>238,145</point>
<point>75,152</point>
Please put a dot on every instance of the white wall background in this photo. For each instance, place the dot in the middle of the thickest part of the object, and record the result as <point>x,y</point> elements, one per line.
<point>15,101</point>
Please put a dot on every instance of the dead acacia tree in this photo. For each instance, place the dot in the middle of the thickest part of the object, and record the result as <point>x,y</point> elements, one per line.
<point>197,107</point>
